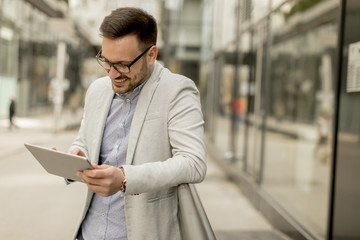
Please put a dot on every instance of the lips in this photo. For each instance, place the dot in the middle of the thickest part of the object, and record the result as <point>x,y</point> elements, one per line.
<point>120,80</point>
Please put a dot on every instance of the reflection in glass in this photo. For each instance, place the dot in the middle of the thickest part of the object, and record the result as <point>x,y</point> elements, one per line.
<point>223,112</point>
<point>300,113</point>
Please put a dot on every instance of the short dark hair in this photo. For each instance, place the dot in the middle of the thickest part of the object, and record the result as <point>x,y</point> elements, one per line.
<point>126,21</point>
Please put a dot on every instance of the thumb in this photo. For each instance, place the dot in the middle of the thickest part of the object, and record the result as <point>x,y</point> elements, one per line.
<point>103,166</point>
<point>95,166</point>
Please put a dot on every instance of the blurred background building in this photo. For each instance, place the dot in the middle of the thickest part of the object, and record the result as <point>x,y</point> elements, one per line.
<point>279,82</point>
<point>30,33</point>
<point>280,95</point>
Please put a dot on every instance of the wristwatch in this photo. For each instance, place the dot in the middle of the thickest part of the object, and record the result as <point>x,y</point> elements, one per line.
<point>123,182</point>
<point>123,185</point>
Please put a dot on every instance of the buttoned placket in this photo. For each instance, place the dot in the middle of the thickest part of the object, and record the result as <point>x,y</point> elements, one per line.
<point>127,101</point>
<point>102,211</point>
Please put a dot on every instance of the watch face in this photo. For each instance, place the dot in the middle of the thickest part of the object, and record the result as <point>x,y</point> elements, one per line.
<point>123,185</point>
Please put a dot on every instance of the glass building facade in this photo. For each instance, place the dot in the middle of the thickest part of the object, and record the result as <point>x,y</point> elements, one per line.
<point>28,55</point>
<point>269,84</point>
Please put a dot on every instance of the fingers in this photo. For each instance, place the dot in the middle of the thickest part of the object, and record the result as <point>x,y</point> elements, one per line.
<point>95,166</point>
<point>104,180</point>
<point>93,176</point>
<point>99,190</point>
<point>98,172</point>
<point>103,166</point>
<point>77,151</point>
<point>96,186</point>
<point>89,180</point>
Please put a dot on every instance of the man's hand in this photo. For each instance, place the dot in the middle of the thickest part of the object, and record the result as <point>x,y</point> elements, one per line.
<point>78,152</point>
<point>104,180</point>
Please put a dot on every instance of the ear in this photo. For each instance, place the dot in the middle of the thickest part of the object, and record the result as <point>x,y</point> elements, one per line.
<point>153,52</point>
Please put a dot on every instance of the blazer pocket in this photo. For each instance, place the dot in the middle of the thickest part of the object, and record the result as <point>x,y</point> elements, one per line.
<point>151,116</point>
<point>168,193</point>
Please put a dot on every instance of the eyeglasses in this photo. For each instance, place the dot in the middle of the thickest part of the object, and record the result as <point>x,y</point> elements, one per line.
<point>118,66</point>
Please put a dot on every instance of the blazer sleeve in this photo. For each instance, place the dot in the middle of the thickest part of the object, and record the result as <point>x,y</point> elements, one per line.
<point>81,142</point>
<point>186,138</point>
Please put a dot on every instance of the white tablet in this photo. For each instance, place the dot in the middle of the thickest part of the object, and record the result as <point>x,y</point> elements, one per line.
<point>59,163</point>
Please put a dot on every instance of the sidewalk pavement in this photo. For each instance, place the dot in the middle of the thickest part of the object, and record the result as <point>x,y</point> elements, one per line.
<point>34,130</point>
<point>229,212</point>
<point>47,121</point>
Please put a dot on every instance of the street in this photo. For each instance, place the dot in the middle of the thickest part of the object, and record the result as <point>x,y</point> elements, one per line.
<point>35,204</point>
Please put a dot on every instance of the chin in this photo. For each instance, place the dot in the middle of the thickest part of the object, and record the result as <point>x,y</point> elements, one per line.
<point>120,90</point>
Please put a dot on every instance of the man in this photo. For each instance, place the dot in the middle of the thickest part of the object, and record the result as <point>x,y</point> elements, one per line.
<point>11,111</point>
<point>143,131</point>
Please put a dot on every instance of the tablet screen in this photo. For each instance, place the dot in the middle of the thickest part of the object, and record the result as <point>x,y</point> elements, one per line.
<point>59,163</point>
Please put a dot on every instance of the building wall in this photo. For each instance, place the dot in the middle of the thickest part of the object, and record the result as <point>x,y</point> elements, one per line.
<point>268,89</point>
<point>182,37</point>
<point>28,46</point>
<point>8,56</point>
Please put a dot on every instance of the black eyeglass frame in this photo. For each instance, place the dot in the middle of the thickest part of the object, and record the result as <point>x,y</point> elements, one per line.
<point>101,60</point>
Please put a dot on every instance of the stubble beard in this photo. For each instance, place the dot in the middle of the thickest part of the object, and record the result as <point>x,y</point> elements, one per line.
<point>133,82</point>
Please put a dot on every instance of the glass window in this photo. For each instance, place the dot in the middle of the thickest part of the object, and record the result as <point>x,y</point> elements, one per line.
<point>245,91</point>
<point>7,53</point>
<point>300,111</point>
<point>251,131</point>
<point>223,82</point>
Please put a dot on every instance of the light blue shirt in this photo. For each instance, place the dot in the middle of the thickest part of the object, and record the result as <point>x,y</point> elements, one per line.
<point>105,218</point>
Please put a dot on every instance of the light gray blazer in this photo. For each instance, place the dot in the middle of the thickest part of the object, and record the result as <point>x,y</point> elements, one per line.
<point>166,148</point>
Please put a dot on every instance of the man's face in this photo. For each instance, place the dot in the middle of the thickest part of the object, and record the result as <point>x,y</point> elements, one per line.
<point>125,50</point>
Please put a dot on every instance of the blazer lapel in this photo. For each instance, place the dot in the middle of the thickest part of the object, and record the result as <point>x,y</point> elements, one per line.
<point>141,110</point>
<point>102,111</point>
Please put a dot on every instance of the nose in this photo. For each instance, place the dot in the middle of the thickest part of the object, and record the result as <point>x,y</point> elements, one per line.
<point>113,73</point>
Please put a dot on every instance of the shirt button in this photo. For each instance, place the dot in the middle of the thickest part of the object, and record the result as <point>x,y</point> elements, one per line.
<point>104,214</point>
<point>127,100</point>
<point>121,125</point>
